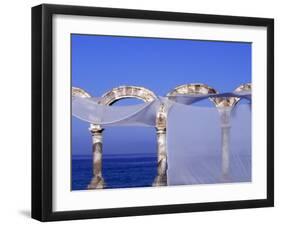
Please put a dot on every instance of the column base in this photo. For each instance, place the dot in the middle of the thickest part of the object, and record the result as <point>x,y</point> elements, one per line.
<point>96,183</point>
<point>160,180</point>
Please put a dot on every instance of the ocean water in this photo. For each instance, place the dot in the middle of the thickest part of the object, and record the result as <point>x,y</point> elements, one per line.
<point>119,171</point>
<point>139,170</point>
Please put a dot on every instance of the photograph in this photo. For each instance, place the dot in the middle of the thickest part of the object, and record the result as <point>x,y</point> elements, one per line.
<point>149,112</point>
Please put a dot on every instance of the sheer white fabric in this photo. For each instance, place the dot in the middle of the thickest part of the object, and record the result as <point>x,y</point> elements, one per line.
<point>88,109</point>
<point>195,135</point>
<point>194,140</point>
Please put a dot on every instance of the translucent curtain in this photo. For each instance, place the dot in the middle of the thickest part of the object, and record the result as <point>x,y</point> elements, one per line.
<point>195,135</point>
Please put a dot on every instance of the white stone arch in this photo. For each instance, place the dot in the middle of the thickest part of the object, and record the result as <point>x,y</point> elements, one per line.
<point>199,89</point>
<point>75,91</point>
<point>193,89</point>
<point>224,106</point>
<point>246,87</point>
<point>221,104</point>
<point>123,92</point>
<point>243,88</point>
<point>146,95</point>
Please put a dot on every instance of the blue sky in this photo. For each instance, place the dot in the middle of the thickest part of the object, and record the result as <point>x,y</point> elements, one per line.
<point>100,63</point>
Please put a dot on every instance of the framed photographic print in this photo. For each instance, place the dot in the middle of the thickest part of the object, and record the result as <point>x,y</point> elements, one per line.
<point>145,112</point>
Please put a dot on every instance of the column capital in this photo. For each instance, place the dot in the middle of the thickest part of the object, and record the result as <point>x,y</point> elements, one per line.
<point>161,118</point>
<point>95,128</point>
<point>224,102</point>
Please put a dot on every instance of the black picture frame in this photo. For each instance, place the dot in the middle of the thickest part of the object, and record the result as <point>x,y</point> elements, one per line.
<point>42,111</point>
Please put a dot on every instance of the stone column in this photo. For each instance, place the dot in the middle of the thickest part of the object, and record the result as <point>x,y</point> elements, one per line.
<point>97,180</point>
<point>225,114</point>
<point>161,178</point>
